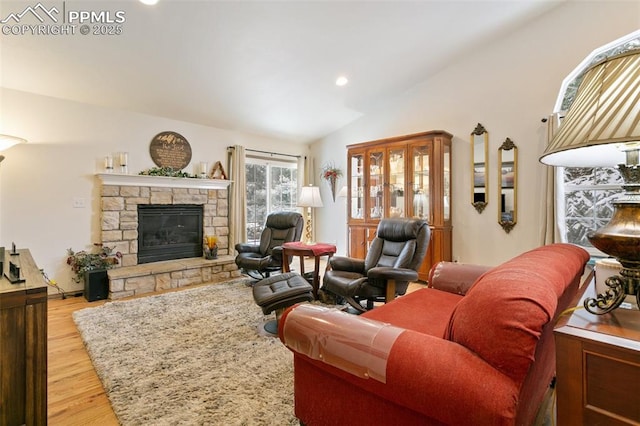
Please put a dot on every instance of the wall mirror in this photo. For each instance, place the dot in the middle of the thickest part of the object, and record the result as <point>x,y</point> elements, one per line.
<point>508,184</point>
<point>479,167</point>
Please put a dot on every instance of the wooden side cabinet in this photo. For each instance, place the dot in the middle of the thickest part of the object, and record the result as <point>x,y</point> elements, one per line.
<point>404,176</point>
<point>23,345</point>
<point>598,367</point>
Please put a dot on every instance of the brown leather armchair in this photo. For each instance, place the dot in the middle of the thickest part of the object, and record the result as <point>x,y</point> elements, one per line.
<point>259,260</point>
<point>391,264</point>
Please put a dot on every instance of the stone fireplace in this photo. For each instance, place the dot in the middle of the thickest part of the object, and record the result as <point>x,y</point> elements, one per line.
<point>122,199</point>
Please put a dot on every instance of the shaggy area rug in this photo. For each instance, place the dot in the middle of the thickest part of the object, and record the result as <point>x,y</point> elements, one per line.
<point>191,357</point>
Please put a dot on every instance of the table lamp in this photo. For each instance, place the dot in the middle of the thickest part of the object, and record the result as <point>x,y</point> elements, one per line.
<point>602,129</point>
<point>309,197</point>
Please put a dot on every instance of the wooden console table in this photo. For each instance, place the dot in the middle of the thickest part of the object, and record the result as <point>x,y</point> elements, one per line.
<point>23,345</point>
<point>598,366</point>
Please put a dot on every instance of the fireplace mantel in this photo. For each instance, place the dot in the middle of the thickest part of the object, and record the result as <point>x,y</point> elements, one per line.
<point>161,181</point>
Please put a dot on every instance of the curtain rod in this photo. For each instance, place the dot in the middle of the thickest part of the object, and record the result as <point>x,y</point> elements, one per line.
<point>268,152</point>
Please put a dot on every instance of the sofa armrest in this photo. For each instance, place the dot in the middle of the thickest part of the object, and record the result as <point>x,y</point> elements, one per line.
<point>318,333</point>
<point>455,277</point>
<point>430,375</point>
<point>348,264</point>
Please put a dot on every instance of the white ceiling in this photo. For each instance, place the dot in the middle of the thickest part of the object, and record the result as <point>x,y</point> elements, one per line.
<point>262,67</point>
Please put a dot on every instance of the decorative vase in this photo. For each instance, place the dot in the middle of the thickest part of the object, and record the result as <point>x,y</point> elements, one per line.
<point>332,185</point>
<point>211,253</point>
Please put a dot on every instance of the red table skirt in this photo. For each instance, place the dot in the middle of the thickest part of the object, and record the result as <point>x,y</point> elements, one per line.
<point>317,249</point>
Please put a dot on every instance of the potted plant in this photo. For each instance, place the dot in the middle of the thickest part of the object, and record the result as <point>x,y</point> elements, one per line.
<point>91,267</point>
<point>211,247</point>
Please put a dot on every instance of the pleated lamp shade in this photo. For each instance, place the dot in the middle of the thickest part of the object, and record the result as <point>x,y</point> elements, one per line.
<point>604,119</point>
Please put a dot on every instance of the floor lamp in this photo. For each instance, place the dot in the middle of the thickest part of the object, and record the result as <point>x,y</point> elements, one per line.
<point>309,198</point>
<point>602,129</point>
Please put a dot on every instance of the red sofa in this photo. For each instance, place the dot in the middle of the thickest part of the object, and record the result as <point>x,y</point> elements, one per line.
<point>464,351</point>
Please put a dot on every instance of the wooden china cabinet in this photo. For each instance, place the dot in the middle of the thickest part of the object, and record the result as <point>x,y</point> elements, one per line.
<point>404,176</point>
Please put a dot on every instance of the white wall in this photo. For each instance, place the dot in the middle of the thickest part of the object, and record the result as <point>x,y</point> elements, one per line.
<point>509,86</point>
<point>67,142</point>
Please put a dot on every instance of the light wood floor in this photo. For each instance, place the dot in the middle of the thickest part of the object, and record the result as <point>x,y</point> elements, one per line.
<point>75,393</point>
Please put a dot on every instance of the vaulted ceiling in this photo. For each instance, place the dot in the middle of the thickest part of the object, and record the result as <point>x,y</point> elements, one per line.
<point>263,67</point>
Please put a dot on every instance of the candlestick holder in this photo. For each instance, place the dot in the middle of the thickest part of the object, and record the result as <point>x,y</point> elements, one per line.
<point>108,164</point>
<point>124,162</point>
<point>203,169</point>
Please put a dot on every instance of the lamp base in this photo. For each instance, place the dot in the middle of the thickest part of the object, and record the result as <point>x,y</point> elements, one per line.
<point>620,238</point>
<point>619,287</point>
<point>308,229</point>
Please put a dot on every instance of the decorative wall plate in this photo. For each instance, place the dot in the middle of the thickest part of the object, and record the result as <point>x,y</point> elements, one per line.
<point>170,149</point>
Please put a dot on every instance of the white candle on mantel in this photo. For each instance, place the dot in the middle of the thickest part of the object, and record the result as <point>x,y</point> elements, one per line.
<point>108,163</point>
<point>124,157</point>
<point>203,168</point>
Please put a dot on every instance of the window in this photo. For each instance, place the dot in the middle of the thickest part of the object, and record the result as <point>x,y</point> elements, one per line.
<point>271,186</point>
<point>587,195</point>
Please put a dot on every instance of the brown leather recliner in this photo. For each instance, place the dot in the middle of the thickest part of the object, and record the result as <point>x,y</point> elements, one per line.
<point>392,262</point>
<point>259,260</point>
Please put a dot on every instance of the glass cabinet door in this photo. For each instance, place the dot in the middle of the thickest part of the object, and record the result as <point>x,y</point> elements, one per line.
<point>356,197</point>
<point>420,156</point>
<point>376,185</point>
<point>396,187</point>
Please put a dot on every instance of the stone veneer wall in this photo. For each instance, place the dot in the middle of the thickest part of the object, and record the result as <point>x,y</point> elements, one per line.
<point>156,276</point>
<point>119,219</point>
<point>119,226</point>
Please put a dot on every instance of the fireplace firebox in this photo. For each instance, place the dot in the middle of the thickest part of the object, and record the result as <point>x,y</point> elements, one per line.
<point>167,232</point>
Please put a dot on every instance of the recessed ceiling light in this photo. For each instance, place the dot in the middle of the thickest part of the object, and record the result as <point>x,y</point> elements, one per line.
<point>149,2</point>
<point>341,81</point>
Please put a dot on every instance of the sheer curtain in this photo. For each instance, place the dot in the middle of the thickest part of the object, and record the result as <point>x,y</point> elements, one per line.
<point>237,197</point>
<point>549,231</point>
<point>302,163</point>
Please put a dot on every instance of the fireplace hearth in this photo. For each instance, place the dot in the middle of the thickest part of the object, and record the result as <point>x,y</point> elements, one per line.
<point>167,232</point>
